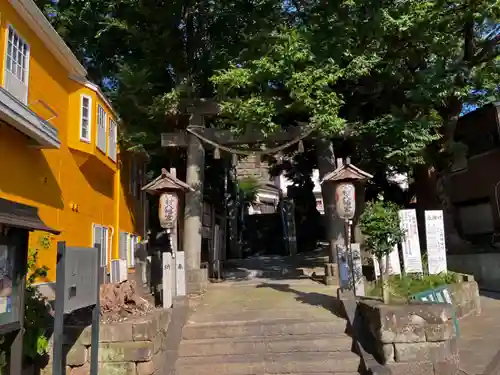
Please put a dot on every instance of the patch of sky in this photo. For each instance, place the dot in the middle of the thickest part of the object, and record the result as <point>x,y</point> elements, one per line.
<point>289,7</point>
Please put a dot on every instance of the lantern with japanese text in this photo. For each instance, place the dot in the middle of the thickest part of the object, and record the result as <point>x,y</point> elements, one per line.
<point>167,186</point>
<point>345,199</point>
<point>168,209</point>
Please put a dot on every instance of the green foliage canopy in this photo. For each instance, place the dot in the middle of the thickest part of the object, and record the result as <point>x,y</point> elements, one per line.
<point>392,74</point>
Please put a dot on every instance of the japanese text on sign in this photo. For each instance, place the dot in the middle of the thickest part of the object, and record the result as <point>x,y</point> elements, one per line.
<point>411,244</point>
<point>345,198</point>
<point>168,210</point>
<point>436,246</point>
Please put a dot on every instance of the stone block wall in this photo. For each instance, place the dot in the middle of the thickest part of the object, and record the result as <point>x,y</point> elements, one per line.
<point>136,346</point>
<point>413,339</point>
<point>465,297</point>
<point>420,338</point>
<point>483,266</point>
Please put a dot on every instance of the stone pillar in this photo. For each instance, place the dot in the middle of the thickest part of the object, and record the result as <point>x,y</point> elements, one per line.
<point>334,225</point>
<point>232,200</point>
<point>194,209</point>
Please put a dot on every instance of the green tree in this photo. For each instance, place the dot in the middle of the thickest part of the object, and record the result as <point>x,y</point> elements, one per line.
<point>379,222</point>
<point>149,55</point>
<point>392,75</point>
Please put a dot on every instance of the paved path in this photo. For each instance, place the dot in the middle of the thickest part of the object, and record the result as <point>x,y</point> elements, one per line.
<point>271,328</point>
<point>275,299</point>
<point>480,336</point>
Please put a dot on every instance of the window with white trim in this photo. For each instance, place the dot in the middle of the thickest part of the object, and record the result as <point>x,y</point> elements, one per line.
<point>85,117</point>
<point>112,139</point>
<point>17,66</point>
<point>133,241</point>
<point>128,245</point>
<point>101,238</point>
<point>101,128</point>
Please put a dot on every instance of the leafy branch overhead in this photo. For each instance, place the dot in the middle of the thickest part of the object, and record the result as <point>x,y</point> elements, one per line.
<point>393,74</point>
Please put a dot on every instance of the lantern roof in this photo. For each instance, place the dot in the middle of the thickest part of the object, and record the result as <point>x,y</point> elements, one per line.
<point>347,172</point>
<point>166,182</point>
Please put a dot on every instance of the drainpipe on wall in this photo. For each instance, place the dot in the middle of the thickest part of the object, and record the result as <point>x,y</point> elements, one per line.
<point>115,250</point>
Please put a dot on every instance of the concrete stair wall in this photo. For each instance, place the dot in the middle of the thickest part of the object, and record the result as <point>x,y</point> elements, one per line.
<point>280,346</point>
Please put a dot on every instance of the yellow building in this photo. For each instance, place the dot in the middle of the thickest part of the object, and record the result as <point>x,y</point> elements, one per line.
<point>58,144</point>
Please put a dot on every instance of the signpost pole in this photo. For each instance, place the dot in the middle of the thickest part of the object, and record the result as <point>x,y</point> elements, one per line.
<point>57,359</point>
<point>350,254</point>
<point>167,280</point>
<point>96,320</point>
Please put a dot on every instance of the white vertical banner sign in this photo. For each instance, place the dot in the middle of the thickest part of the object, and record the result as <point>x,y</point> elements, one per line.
<point>180,273</point>
<point>412,259</point>
<point>167,279</point>
<point>436,245</point>
<point>394,264</point>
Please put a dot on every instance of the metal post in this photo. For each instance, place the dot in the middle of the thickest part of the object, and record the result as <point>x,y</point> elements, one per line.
<point>172,236</point>
<point>349,254</point>
<point>57,357</point>
<point>167,284</point>
<point>96,320</point>
<point>16,349</point>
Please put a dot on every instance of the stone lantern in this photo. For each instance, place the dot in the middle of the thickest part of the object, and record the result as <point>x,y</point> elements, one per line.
<point>168,188</point>
<point>346,178</point>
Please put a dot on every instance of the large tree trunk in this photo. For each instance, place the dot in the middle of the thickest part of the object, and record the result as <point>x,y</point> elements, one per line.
<point>450,115</point>
<point>455,243</point>
<point>334,225</point>
<point>433,183</point>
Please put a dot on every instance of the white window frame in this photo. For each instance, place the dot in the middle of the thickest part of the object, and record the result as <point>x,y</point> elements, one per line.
<point>112,139</point>
<point>26,68</point>
<point>131,244</point>
<point>104,249</point>
<point>101,125</point>
<point>89,120</point>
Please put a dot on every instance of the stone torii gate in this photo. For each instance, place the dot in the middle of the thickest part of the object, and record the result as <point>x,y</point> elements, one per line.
<point>198,112</point>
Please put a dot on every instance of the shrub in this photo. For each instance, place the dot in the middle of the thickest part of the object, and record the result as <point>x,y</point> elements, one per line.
<point>379,222</point>
<point>404,286</point>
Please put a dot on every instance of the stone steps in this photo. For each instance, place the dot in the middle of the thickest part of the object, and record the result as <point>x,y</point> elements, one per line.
<point>267,347</point>
<point>264,344</point>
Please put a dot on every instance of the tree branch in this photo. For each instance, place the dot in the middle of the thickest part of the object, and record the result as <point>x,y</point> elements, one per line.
<point>469,40</point>
<point>486,50</point>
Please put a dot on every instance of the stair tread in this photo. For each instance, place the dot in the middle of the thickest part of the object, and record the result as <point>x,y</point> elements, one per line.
<point>289,363</point>
<point>345,357</point>
<point>251,339</point>
<point>208,372</point>
<point>231,323</point>
<point>262,330</point>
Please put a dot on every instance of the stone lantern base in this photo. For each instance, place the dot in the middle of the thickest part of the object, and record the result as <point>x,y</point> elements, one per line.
<point>331,274</point>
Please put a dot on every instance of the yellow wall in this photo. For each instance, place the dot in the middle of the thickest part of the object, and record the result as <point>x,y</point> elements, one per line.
<point>74,186</point>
